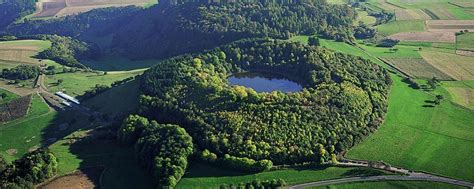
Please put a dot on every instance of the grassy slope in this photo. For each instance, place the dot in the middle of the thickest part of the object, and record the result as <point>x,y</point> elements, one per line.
<point>438,140</point>
<point>127,94</point>
<point>77,83</point>
<point>201,175</point>
<point>391,185</point>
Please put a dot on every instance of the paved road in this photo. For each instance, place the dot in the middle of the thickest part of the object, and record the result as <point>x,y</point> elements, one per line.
<point>413,177</point>
<point>408,176</point>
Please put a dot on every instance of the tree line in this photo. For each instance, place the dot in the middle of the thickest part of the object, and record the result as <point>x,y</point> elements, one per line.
<point>33,168</point>
<point>162,149</point>
<point>164,31</point>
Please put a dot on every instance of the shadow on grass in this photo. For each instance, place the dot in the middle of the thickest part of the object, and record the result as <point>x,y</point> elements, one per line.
<point>365,172</point>
<point>81,144</point>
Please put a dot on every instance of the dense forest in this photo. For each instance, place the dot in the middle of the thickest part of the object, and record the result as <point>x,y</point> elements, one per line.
<point>33,168</point>
<point>163,31</point>
<point>344,99</point>
<point>11,10</point>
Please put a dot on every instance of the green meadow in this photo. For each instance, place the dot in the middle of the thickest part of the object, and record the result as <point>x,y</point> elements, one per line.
<point>421,136</point>
<point>202,175</point>
<point>401,26</point>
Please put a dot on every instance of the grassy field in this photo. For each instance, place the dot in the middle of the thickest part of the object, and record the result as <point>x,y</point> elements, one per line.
<point>364,17</point>
<point>391,185</point>
<point>465,41</point>
<point>201,175</point>
<point>401,26</point>
<point>420,136</point>
<point>77,83</point>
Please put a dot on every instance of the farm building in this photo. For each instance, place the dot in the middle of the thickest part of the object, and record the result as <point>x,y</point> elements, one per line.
<point>67,97</point>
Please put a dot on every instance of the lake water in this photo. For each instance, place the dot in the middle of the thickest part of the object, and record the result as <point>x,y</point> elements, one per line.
<point>264,82</point>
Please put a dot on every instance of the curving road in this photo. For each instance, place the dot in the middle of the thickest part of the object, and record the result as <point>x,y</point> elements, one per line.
<point>408,176</point>
<point>414,177</point>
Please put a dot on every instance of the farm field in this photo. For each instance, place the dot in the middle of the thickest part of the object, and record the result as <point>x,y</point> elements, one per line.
<point>213,177</point>
<point>440,37</point>
<point>13,53</point>
<point>437,9</point>
<point>59,8</point>
<point>391,185</point>
<point>411,14</point>
<point>418,68</point>
<point>449,25</point>
<point>462,92</point>
<point>76,84</point>
<point>417,136</point>
<point>465,41</point>
<point>456,66</point>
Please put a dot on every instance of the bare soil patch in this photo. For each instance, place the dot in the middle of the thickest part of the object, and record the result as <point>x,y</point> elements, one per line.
<point>465,53</point>
<point>443,37</point>
<point>12,151</point>
<point>87,178</point>
<point>417,67</point>
<point>50,8</point>
<point>60,8</point>
<point>15,109</point>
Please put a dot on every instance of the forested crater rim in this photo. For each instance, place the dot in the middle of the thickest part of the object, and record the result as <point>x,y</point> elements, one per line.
<point>345,99</point>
